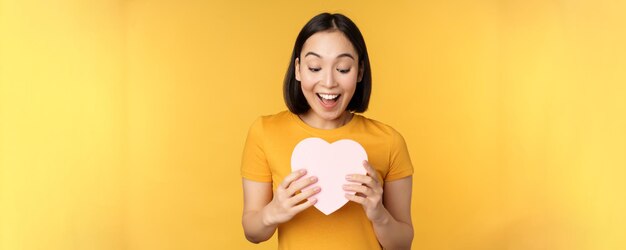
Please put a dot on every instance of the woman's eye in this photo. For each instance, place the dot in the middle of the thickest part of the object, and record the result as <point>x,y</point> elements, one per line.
<point>314,69</point>
<point>343,71</point>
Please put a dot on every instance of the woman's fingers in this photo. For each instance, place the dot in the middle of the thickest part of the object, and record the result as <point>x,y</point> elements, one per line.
<point>357,189</point>
<point>301,207</point>
<point>286,203</point>
<point>370,170</point>
<point>305,194</point>
<point>358,199</point>
<point>365,187</point>
<point>370,180</point>
<point>292,177</point>
<point>300,184</point>
<point>363,179</point>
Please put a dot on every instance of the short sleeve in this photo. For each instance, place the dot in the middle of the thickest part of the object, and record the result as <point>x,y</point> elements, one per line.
<point>399,159</point>
<point>254,164</point>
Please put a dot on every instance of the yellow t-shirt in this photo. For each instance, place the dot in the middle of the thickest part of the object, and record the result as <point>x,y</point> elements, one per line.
<point>267,158</point>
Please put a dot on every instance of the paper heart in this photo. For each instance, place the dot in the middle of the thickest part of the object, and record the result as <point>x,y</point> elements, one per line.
<point>330,163</point>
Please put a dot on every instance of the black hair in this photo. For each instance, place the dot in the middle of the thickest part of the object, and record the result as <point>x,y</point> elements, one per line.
<point>292,90</point>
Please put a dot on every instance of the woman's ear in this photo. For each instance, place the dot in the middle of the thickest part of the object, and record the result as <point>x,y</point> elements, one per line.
<point>297,68</point>
<point>361,71</point>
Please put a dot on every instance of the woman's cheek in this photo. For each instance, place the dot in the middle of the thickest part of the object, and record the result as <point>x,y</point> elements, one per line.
<point>347,78</point>
<point>309,79</point>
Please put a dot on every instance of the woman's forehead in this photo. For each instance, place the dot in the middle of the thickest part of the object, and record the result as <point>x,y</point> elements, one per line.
<point>328,44</point>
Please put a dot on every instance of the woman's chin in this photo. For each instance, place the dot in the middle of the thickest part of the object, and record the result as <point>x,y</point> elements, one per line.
<point>330,115</point>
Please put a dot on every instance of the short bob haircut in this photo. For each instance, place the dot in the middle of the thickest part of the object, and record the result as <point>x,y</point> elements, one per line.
<point>292,90</point>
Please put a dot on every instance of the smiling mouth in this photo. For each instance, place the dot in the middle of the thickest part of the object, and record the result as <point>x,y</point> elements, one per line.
<point>328,98</point>
<point>328,101</point>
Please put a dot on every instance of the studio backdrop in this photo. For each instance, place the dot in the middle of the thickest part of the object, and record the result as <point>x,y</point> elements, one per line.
<point>122,123</point>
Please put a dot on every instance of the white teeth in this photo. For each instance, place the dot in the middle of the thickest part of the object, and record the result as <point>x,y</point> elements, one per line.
<point>328,96</point>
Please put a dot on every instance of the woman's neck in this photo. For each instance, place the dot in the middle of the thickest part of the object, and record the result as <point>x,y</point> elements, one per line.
<point>313,120</point>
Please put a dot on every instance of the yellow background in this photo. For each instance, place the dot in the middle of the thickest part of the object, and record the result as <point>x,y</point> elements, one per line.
<point>122,122</point>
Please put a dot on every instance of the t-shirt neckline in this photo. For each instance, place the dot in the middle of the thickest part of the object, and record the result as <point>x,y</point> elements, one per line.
<point>325,132</point>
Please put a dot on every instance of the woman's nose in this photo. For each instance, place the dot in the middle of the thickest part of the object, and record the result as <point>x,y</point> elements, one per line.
<point>329,79</point>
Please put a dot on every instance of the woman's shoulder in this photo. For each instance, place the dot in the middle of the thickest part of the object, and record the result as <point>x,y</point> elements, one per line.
<point>384,133</point>
<point>272,120</point>
<point>277,118</point>
<point>377,127</point>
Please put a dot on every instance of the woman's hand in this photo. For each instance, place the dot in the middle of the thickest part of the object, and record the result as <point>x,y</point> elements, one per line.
<point>287,202</point>
<point>369,193</point>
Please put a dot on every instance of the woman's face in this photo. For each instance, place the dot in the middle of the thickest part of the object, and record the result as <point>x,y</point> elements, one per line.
<point>328,71</point>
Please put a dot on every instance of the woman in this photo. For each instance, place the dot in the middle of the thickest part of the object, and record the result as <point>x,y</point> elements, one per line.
<point>328,81</point>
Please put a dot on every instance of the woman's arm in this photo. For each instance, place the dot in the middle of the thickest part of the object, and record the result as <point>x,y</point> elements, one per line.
<point>255,196</point>
<point>264,211</point>
<point>390,213</point>
<point>395,229</point>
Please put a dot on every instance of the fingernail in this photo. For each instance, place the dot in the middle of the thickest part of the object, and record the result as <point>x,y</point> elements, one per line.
<point>348,177</point>
<point>317,189</point>
<point>302,171</point>
<point>313,200</point>
<point>313,178</point>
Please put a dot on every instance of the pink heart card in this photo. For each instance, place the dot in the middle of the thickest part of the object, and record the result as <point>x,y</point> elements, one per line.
<point>330,163</point>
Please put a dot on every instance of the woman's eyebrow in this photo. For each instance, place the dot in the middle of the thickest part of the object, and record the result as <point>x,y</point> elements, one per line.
<point>310,53</point>
<point>346,55</point>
